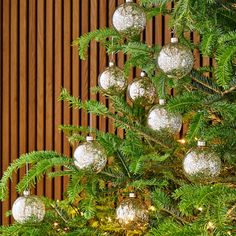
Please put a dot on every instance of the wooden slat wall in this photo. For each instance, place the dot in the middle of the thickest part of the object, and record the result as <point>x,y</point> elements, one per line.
<point>36,60</point>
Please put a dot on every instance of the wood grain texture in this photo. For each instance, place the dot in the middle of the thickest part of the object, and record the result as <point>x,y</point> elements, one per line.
<point>37,60</point>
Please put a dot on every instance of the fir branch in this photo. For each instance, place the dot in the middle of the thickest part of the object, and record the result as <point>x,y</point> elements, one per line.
<point>100,109</point>
<point>99,35</point>
<point>32,158</point>
<point>224,71</point>
<point>120,156</point>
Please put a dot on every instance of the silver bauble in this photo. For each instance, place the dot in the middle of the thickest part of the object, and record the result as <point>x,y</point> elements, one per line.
<point>159,118</point>
<point>129,19</point>
<point>112,80</point>
<point>90,155</point>
<point>132,213</point>
<point>142,91</point>
<point>28,207</point>
<point>175,60</point>
<point>201,164</point>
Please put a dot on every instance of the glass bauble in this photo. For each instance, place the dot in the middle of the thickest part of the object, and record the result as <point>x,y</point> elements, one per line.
<point>90,155</point>
<point>175,60</point>
<point>201,164</point>
<point>142,91</point>
<point>28,207</point>
<point>159,118</point>
<point>132,213</point>
<point>129,19</point>
<point>112,80</point>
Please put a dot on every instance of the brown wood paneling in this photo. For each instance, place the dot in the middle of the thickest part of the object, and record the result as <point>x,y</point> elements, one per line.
<point>37,60</point>
<point>14,92</point>
<point>6,96</point>
<point>40,91</point>
<point>57,88</point>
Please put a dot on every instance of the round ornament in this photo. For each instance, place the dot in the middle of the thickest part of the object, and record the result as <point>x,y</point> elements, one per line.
<point>159,118</point>
<point>142,91</point>
<point>201,164</point>
<point>90,155</point>
<point>112,80</point>
<point>129,19</point>
<point>175,60</point>
<point>132,213</point>
<point>28,207</point>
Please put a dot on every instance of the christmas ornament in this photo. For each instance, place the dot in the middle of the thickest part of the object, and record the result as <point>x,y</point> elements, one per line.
<point>129,19</point>
<point>112,80</point>
<point>142,91</point>
<point>159,118</point>
<point>175,60</point>
<point>132,213</point>
<point>201,164</point>
<point>90,155</point>
<point>28,207</point>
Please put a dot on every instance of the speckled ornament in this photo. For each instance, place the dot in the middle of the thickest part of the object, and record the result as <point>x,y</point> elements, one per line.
<point>159,118</point>
<point>142,91</point>
<point>129,19</point>
<point>201,164</point>
<point>90,155</point>
<point>112,80</point>
<point>28,207</point>
<point>175,60</point>
<point>132,213</point>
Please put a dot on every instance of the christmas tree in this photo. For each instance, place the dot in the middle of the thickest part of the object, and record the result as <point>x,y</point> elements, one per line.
<point>157,178</point>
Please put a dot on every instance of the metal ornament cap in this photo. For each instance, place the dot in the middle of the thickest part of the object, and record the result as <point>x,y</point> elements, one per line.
<point>201,143</point>
<point>26,193</point>
<point>142,74</point>
<point>162,101</point>
<point>89,138</point>
<point>174,40</point>
<point>132,195</point>
<point>111,63</point>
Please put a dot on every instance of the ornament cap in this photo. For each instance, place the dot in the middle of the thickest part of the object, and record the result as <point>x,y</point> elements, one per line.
<point>142,74</point>
<point>162,101</point>
<point>89,138</point>
<point>26,193</point>
<point>132,195</point>
<point>174,40</point>
<point>111,63</point>
<point>201,143</point>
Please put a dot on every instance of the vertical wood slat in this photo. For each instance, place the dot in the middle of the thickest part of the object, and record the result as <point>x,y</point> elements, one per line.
<point>66,71</point>
<point>93,55</point>
<point>57,88</point>
<point>14,93</point>
<point>1,82</point>
<point>6,97</point>
<point>49,88</point>
<point>37,60</point>
<point>40,128</point>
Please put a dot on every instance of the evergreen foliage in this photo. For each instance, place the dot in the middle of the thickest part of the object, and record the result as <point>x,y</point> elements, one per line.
<point>146,161</point>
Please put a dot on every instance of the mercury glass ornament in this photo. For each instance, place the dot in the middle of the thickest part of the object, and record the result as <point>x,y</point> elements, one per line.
<point>159,118</point>
<point>132,213</point>
<point>112,80</point>
<point>201,164</point>
<point>142,91</point>
<point>28,207</point>
<point>175,60</point>
<point>90,155</point>
<point>129,19</point>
